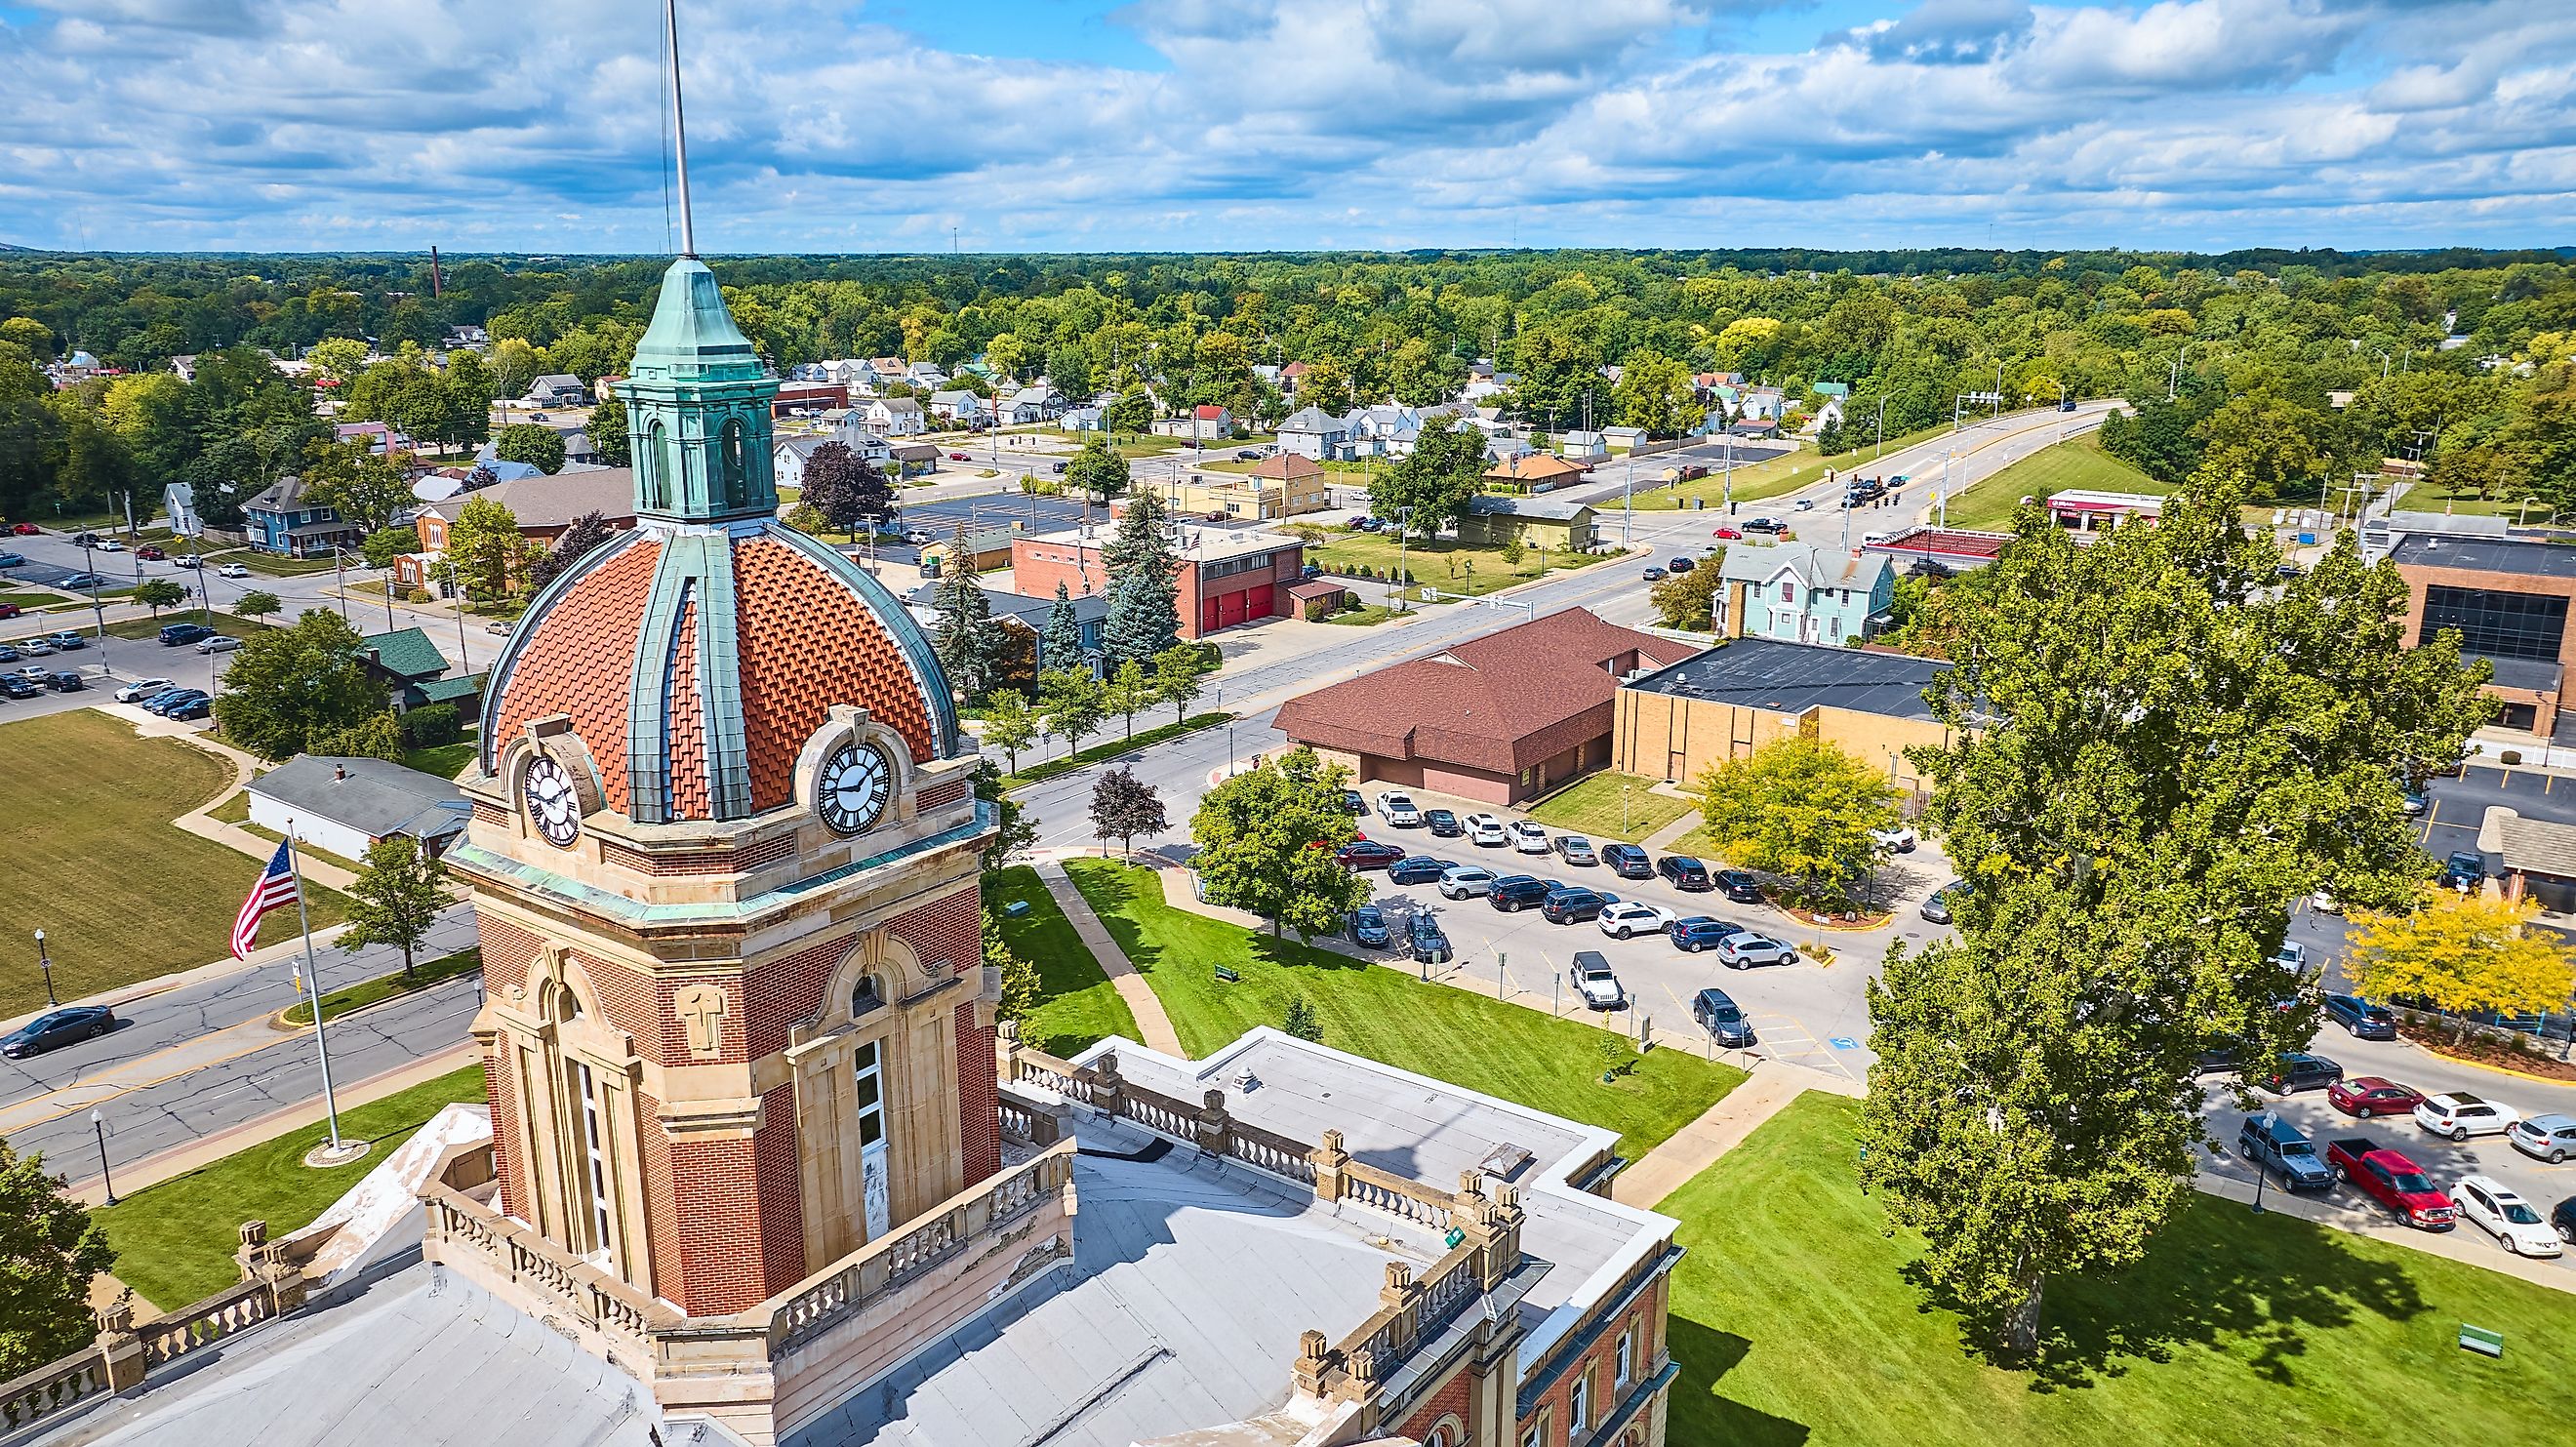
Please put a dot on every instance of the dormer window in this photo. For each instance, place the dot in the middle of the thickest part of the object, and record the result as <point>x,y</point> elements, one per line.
<point>866,998</point>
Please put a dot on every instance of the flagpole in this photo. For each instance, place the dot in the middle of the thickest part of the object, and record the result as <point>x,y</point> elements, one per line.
<point>313,987</point>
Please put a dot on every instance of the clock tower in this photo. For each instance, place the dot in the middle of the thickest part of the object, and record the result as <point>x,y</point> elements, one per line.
<point>724,859</point>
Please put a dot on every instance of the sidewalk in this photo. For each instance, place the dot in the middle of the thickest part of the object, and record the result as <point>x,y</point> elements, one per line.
<point>1719,1129</point>
<point>1142,1002</point>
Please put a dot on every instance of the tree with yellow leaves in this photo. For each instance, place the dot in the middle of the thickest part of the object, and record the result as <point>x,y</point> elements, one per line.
<point>2461,954</point>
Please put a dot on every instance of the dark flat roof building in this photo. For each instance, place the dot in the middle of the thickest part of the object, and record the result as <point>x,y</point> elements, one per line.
<point>2507,598</point>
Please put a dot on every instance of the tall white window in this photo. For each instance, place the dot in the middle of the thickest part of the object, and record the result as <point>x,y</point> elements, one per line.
<point>1627,1358</point>
<point>595,1163</point>
<point>1578,1405</point>
<point>868,1093</point>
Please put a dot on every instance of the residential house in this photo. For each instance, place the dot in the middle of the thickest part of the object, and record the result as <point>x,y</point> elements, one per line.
<point>928,376</point>
<point>1028,616</point>
<point>1204,423</point>
<point>407,661</point>
<point>543,506</point>
<point>788,458</point>
<point>283,519</point>
<point>1089,417</point>
<point>1498,719</point>
<point>344,806</point>
<point>892,417</point>
<point>1292,377</point>
<point>185,366</point>
<point>1555,525</point>
<point>1504,448</point>
<point>379,438</point>
<point>1313,432</point>
<point>1800,593</point>
<point>466,337</point>
<point>556,389</point>
<point>957,405</point>
<point>1623,439</point>
<point>1533,473</point>
<point>1033,404</point>
<point>1584,446</point>
<point>1381,431</point>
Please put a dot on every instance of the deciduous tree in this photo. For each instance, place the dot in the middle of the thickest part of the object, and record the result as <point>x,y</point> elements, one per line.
<point>484,546</point>
<point>396,897</point>
<point>1011,725</point>
<point>2462,954</point>
<point>289,686</point>
<point>1074,703</point>
<point>1429,488</point>
<point>1177,678</point>
<point>1129,692</point>
<point>1124,806</point>
<point>1266,839</point>
<point>533,443</point>
<point>576,542</point>
<point>1689,600</point>
<point>159,593</point>
<point>50,1250</point>
<point>1097,470</point>
<point>258,603</point>
<point>1020,982</point>
<point>1800,808</point>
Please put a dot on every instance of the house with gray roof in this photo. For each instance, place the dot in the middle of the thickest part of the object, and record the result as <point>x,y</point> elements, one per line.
<point>1313,432</point>
<point>1801,593</point>
<point>341,806</point>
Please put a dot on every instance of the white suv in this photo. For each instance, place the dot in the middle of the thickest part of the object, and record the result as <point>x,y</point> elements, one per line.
<point>1487,830</point>
<point>1528,837</point>
<point>1593,982</point>
<point>1398,811</point>
<point>2463,1115</point>
<point>1628,917</point>
<point>2509,1218</point>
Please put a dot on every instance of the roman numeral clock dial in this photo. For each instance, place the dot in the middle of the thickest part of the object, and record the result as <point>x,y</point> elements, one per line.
<point>856,783</point>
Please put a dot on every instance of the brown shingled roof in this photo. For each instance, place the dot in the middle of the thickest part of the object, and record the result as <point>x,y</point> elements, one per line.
<point>1497,703</point>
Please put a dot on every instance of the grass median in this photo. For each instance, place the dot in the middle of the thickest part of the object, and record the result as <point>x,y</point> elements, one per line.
<point>1437,1030</point>
<point>359,996</point>
<point>1610,806</point>
<point>1077,1006</point>
<point>1052,768</point>
<point>2080,463</point>
<point>1795,1327</point>
<point>174,1240</point>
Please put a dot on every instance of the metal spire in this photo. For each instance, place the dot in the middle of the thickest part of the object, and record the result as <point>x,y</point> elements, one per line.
<point>679,129</point>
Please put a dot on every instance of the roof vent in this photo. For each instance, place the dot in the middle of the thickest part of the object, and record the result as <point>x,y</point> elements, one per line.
<point>339,771</point>
<point>1505,1160</point>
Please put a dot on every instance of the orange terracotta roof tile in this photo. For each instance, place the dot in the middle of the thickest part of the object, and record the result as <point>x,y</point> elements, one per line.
<point>578,660</point>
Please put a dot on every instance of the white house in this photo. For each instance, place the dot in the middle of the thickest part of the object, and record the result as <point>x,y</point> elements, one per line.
<point>1033,404</point>
<point>926,374</point>
<point>789,457</point>
<point>956,404</point>
<point>895,417</point>
<point>1583,447</point>
<point>1313,432</point>
<point>344,805</point>
<point>1089,417</point>
<point>556,389</point>
<point>1627,437</point>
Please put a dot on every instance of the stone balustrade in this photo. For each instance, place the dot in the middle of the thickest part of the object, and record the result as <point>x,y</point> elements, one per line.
<point>54,1388</point>
<point>1402,1197</point>
<point>168,1338</point>
<point>515,1259</point>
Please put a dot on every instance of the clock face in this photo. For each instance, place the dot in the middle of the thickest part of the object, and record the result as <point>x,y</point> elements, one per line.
<point>856,782</point>
<point>553,806</point>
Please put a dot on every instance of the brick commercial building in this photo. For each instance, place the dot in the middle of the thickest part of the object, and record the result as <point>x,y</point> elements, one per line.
<point>1675,723</point>
<point>1226,577</point>
<point>1276,487</point>
<point>2508,601</point>
<point>1499,719</point>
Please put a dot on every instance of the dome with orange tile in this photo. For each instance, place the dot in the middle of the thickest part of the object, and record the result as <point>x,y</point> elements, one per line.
<point>695,661</point>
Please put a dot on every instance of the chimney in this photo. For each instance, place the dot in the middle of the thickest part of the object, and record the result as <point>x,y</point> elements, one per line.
<point>339,772</point>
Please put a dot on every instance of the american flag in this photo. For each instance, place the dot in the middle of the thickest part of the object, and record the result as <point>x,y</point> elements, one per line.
<point>276,889</point>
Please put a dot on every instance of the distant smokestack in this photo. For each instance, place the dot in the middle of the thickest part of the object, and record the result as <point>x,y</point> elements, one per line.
<point>437,286</point>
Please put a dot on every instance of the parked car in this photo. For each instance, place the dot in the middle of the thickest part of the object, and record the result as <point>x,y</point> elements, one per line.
<point>168,705</point>
<point>220,643</point>
<point>2493,1207</point>
<point>1365,853</point>
<point>1576,850</point>
<point>1593,981</point>
<point>2550,1137</point>
<point>1700,932</point>
<point>175,634</point>
<point>2299,1071</point>
<point>195,708</point>
<point>1737,885</point>
<point>107,545</point>
<point>1680,563</point>
<point>1353,804</point>
<point>1628,917</point>
<point>1428,945</point>
<point>498,625</point>
<point>2412,802</point>
<point>35,648</point>
<point>2463,871</point>
<point>1516,892</point>
<point>8,654</point>
<point>82,582</point>
<point>1442,823</point>
<point>141,689</point>
<point>1718,1014</point>
<point>1528,837</point>
<point>1654,575</point>
<point>2364,1020</point>
<point>2267,1142</point>
<point>151,553</point>
<point>2461,1115</point>
<point>16,686</point>
<point>1368,927</point>
<point>1683,873</point>
<point>65,681</point>
<point>2369,1095</point>
<point>1487,830</point>
<point>10,610</point>
<point>13,560</point>
<point>67,641</point>
<point>2562,1220</point>
<point>2392,1180</point>
<point>190,561</point>
<point>1896,839</point>
<point>1628,861</point>
<point>1398,810</point>
<point>54,1029</point>
<point>1574,904</point>
<point>1416,869</point>
<point>1462,881</point>
<point>1936,909</point>
<point>1745,949</point>
<point>232,570</point>
<point>24,530</point>
<point>2324,902</point>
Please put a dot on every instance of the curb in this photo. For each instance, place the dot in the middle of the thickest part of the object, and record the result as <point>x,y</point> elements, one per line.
<point>2557,1080</point>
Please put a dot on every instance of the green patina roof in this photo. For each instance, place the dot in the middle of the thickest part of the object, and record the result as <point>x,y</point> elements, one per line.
<point>692,337</point>
<point>451,690</point>
<point>406,653</point>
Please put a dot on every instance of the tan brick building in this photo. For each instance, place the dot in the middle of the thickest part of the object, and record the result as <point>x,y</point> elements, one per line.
<point>1729,701</point>
<point>1280,486</point>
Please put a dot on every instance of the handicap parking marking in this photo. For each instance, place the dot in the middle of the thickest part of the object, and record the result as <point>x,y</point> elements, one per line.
<point>1845,1042</point>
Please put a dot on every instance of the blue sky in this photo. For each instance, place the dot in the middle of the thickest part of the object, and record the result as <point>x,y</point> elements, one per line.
<point>872,125</point>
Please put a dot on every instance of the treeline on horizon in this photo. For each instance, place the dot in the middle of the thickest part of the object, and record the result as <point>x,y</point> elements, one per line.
<point>2458,356</point>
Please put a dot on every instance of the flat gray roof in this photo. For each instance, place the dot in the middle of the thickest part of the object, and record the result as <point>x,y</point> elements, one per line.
<point>1782,677</point>
<point>2486,555</point>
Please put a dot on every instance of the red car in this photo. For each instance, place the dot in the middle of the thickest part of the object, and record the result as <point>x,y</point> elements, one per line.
<point>1725,531</point>
<point>151,553</point>
<point>2369,1095</point>
<point>23,530</point>
<point>1366,854</point>
<point>957,457</point>
<point>8,610</point>
<point>2392,1180</point>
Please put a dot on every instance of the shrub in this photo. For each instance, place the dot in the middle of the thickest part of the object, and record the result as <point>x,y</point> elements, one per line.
<point>432,725</point>
<point>2512,756</point>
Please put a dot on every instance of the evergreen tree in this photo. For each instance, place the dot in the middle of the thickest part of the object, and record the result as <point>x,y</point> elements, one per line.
<point>1144,590</point>
<point>1060,644</point>
<point>966,637</point>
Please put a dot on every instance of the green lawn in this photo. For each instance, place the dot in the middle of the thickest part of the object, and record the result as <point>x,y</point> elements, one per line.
<point>1794,1327</point>
<point>1772,477</point>
<point>1364,617</point>
<point>359,996</point>
<point>1443,563</point>
<point>2075,463</point>
<point>1080,1006</point>
<point>151,626</point>
<point>444,760</point>
<point>1610,806</point>
<point>92,853</point>
<point>1438,1030</point>
<point>174,1241</point>
<point>276,565</point>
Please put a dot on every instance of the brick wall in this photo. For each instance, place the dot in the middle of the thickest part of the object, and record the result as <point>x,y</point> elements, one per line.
<point>783,993</point>
<point>945,931</point>
<point>979,1133</point>
<point>661,1216</point>
<point>782,1203</point>
<point>501,1093</point>
<point>508,952</point>
<point>721,1258</point>
<point>1453,1399</point>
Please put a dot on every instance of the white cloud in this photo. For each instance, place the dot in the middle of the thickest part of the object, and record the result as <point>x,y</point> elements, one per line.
<point>1285,123</point>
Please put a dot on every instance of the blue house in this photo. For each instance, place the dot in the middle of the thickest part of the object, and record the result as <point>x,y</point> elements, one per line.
<point>284,520</point>
<point>1799,593</point>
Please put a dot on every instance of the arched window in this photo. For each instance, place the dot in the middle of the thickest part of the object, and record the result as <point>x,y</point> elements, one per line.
<point>657,464</point>
<point>866,997</point>
<point>734,462</point>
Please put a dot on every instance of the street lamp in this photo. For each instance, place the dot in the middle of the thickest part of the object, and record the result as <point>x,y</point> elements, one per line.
<point>45,963</point>
<point>98,1126</point>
